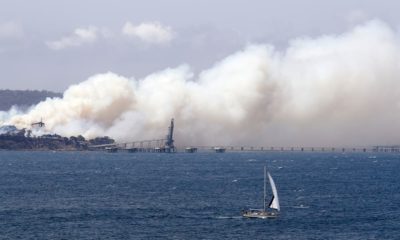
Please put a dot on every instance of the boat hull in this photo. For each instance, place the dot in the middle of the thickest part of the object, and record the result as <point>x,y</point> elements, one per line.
<point>259,214</point>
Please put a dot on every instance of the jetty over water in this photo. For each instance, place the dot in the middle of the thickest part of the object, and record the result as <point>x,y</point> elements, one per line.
<point>154,145</point>
<point>393,149</point>
<point>158,145</point>
<point>167,145</point>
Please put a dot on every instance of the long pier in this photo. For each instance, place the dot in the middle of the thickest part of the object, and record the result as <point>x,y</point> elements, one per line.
<point>155,145</point>
<point>167,145</point>
<point>290,149</point>
<point>158,146</point>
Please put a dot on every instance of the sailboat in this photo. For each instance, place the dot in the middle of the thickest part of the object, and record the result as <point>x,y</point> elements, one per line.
<point>273,207</point>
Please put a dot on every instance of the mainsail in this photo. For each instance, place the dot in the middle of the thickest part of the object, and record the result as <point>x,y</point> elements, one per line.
<point>275,200</point>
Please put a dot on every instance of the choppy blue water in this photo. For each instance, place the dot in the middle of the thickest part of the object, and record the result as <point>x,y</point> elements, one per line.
<point>89,195</point>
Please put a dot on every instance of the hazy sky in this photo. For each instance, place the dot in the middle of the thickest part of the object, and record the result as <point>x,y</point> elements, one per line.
<point>47,44</point>
<point>306,72</point>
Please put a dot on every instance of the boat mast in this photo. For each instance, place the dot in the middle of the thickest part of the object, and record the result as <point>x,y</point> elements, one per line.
<point>265,186</point>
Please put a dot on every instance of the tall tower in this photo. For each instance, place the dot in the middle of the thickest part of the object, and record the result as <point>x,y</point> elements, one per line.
<point>169,143</point>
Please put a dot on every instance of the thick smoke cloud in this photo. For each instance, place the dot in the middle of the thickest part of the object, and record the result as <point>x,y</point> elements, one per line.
<point>328,91</point>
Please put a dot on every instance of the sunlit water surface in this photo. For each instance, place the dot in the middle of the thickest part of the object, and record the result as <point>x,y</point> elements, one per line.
<point>93,195</point>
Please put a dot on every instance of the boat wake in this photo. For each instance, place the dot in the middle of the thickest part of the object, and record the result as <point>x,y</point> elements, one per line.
<point>301,206</point>
<point>228,217</point>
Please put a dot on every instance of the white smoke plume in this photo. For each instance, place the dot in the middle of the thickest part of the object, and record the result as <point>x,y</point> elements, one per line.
<point>328,91</point>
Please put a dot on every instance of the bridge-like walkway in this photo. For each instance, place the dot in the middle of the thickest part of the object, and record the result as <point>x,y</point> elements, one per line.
<point>157,145</point>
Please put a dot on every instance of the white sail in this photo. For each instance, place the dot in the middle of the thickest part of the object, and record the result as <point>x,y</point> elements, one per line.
<point>275,201</point>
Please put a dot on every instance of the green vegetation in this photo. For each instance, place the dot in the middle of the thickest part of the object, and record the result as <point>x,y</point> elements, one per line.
<point>19,141</point>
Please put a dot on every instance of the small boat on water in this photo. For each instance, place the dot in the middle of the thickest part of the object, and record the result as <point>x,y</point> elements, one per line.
<point>273,207</point>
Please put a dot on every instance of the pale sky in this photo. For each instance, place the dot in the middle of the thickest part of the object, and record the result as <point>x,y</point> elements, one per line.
<point>48,44</point>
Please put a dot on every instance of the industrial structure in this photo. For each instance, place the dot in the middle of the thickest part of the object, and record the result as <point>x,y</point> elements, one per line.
<point>391,148</point>
<point>39,124</point>
<point>155,145</point>
<point>166,145</point>
<point>169,143</point>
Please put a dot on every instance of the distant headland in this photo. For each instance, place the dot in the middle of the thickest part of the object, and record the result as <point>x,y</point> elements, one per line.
<point>23,98</point>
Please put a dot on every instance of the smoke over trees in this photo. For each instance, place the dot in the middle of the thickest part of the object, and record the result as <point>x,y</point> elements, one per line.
<point>330,90</point>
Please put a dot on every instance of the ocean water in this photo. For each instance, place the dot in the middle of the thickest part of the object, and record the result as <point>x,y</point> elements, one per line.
<point>94,195</point>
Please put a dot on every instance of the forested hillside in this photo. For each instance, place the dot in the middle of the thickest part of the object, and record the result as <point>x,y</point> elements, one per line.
<point>23,98</point>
